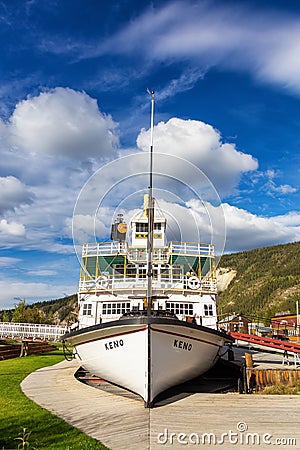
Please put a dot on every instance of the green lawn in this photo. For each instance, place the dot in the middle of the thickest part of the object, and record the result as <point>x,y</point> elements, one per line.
<point>42,429</point>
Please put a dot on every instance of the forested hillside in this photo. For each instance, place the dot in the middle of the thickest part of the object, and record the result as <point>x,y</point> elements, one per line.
<point>264,281</point>
<point>61,311</point>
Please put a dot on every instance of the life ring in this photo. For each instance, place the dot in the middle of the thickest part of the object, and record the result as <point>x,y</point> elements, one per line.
<point>102,282</point>
<point>194,283</point>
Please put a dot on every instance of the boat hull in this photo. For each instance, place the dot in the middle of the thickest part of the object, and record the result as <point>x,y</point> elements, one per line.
<point>147,355</point>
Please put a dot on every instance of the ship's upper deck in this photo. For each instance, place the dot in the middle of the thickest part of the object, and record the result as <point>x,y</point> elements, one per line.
<point>140,254</point>
<point>118,266</point>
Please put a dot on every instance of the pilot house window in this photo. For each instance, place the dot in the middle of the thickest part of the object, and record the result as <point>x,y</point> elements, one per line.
<point>141,227</point>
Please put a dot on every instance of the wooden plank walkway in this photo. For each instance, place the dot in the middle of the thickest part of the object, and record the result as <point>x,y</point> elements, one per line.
<point>123,423</point>
<point>111,419</point>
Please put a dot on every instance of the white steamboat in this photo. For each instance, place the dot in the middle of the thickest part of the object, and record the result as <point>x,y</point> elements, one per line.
<point>147,308</point>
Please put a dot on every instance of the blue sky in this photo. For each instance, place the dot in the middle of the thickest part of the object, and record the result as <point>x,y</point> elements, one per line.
<point>73,80</point>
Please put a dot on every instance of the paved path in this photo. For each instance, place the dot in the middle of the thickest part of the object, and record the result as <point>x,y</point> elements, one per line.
<point>123,423</point>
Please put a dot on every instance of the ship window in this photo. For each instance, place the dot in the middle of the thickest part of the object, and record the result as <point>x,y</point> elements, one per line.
<point>87,309</point>
<point>157,226</point>
<point>131,270</point>
<point>142,272</point>
<point>141,227</point>
<point>115,308</point>
<point>180,308</point>
<point>119,268</point>
<point>208,310</point>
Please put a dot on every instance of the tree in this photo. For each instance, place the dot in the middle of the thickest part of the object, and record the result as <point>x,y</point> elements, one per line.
<point>33,315</point>
<point>19,314</point>
<point>5,317</point>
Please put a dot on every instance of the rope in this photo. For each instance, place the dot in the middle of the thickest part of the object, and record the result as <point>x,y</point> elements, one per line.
<point>67,352</point>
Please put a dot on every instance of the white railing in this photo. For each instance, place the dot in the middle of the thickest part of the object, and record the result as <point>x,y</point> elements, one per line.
<point>191,248</point>
<point>104,248</point>
<point>113,283</point>
<point>161,254</point>
<point>32,330</point>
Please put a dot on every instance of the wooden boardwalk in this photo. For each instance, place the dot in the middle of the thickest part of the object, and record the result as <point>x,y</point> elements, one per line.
<point>123,423</point>
<point>111,419</point>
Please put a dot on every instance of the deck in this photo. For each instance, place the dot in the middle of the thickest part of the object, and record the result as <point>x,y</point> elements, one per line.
<point>123,423</point>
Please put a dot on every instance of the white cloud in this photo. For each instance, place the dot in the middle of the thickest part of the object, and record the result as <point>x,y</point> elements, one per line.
<point>87,228</point>
<point>292,220</point>
<point>50,146</point>
<point>13,193</point>
<point>194,221</point>
<point>234,36</point>
<point>185,82</point>
<point>201,144</point>
<point>243,231</point>
<point>42,273</point>
<point>268,184</point>
<point>64,123</point>
<point>11,230</point>
<point>246,231</point>
<point>284,189</point>
<point>7,261</point>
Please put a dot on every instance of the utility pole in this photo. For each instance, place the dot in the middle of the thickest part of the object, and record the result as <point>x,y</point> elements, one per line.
<point>297,320</point>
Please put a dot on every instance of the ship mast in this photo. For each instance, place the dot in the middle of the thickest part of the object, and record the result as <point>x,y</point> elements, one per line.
<point>150,213</point>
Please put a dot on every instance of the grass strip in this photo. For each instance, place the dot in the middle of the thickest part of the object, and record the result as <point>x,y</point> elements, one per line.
<point>281,389</point>
<point>25,425</point>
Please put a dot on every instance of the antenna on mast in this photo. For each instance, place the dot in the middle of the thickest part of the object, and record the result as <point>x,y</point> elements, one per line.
<point>151,137</point>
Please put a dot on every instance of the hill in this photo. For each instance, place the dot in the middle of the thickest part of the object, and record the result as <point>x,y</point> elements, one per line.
<point>260,282</point>
<point>62,311</point>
